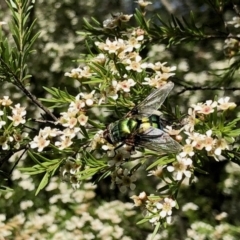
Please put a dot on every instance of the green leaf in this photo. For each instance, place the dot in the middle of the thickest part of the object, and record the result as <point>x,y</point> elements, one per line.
<point>93,162</point>
<point>96,21</point>
<point>41,157</point>
<point>155,230</point>
<point>200,171</point>
<point>93,81</point>
<point>104,175</point>
<point>34,170</point>
<point>31,154</point>
<point>60,98</point>
<point>5,189</point>
<point>161,162</point>
<point>141,20</point>
<point>143,221</point>
<point>234,133</point>
<point>84,132</point>
<point>87,25</point>
<point>43,183</point>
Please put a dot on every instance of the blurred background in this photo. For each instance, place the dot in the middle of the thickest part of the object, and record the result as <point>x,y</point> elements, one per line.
<point>209,208</point>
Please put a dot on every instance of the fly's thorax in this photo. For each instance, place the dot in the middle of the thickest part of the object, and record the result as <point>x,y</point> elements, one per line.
<point>122,129</point>
<point>151,121</point>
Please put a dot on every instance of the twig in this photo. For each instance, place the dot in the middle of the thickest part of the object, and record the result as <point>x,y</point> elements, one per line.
<point>16,163</point>
<point>34,99</point>
<point>194,88</point>
<point>45,121</point>
<point>6,157</point>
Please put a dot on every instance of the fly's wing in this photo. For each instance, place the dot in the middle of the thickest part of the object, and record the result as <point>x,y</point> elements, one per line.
<point>154,101</point>
<point>157,140</point>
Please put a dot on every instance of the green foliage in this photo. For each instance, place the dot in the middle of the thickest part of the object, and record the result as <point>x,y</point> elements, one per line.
<point>14,58</point>
<point>43,165</point>
<point>59,98</point>
<point>122,67</point>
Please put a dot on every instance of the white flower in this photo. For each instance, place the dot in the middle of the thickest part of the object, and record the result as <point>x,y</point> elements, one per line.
<point>85,72</point>
<point>171,131</point>
<point>5,145</point>
<point>166,207</point>
<point>205,108</point>
<point>100,59</point>
<point>64,143</point>
<point>197,139</point>
<point>157,81</point>
<point>18,110</point>
<point>189,206</point>
<point>2,123</point>
<point>89,100</point>
<point>68,120</point>
<point>79,73</point>
<point>97,140</point>
<point>17,119</point>
<point>70,132</point>
<point>159,67</point>
<point>224,104</point>
<point>114,46</point>
<point>154,220</point>
<point>220,145</point>
<point>181,167</point>
<point>235,21</point>
<point>143,3</point>
<point>112,90</point>
<point>39,142</point>
<point>47,131</point>
<point>125,180</point>
<point>6,101</point>
<point>187,149</point>
<point>126,84</point>
<point>135,64</point>
<point>77,105</point>
<point>190,120</point>
<point>26,204</point>
<point>82,119</point>
<point>131,44</point>
<point>209,142</point>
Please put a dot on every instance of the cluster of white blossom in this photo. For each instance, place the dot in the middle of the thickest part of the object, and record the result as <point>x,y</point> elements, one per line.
<point>74,117</point>
<point>12,119</point>
<point>231,47</point>
<point>115,54</point>
<point>210,142</point>
<point>70,172</point>
<point>202,230</point>
<point>42,223</point>
<point>73,208</point>
<point>123,179</point>
<point>235,22</point>
<point>232,44</point>
<point>158,209</point>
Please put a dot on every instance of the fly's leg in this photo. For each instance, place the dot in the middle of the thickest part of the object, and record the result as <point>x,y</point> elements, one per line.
<point>116,148</point>
<point>125,151</point>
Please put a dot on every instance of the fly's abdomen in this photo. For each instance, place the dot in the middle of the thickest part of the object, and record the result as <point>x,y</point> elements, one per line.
<point>147,122</point>
<point>121,130</point>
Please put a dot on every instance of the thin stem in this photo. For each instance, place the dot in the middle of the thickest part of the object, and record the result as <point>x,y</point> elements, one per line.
<point>16,163</point>
<point>33,98</point>
<point>194,88</point>
<point>21,15</point>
